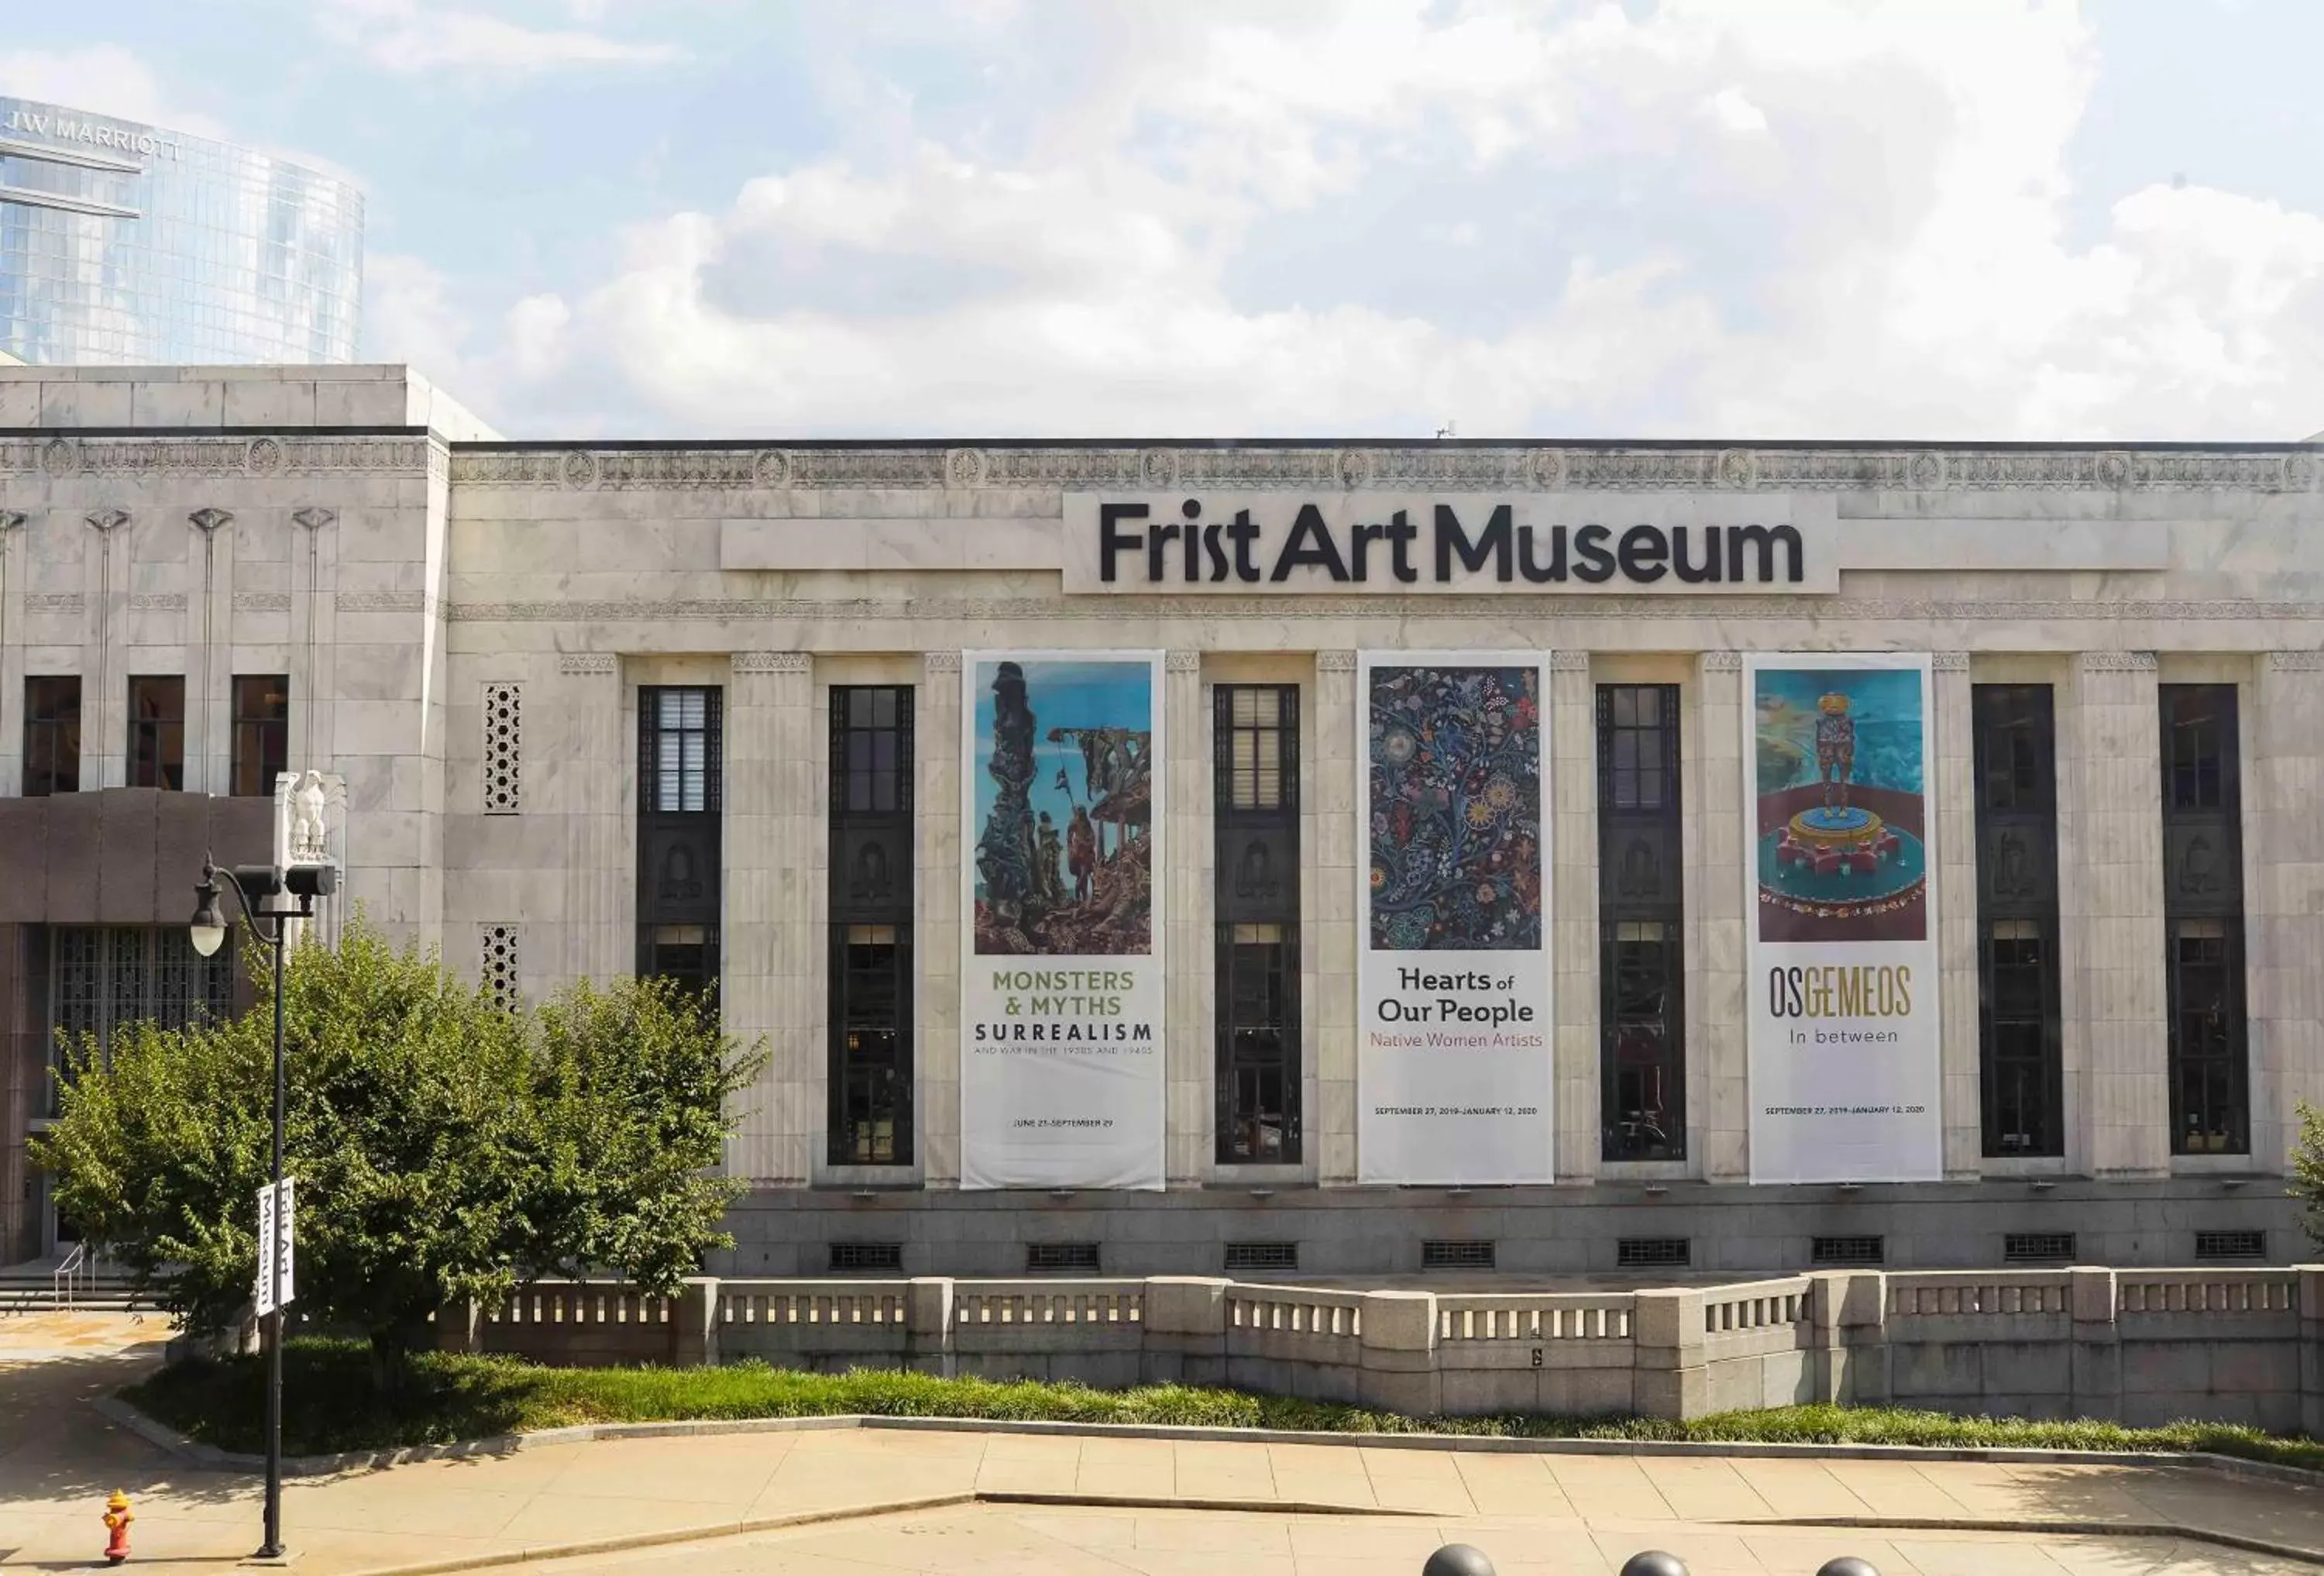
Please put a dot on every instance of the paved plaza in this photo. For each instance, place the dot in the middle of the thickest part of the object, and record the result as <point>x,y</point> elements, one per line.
<point>1073,1504</point>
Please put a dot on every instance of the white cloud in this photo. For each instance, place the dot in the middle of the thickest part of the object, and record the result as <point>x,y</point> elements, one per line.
<point>407,37</point>
<point>1797,217</point>
<point>105,79</point>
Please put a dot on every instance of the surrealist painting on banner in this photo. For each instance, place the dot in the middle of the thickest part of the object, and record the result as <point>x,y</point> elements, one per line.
<point>1061,1077</point>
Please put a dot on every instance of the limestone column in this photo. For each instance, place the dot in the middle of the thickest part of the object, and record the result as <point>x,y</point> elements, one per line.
<point>2114,940</point>
<point>1953,808</point>
<point>937,937</point>
<point>2283,899</point>
<point>771,986</point>
<point>588,778</point>
<point>15,560</point>
<point>1189,992</point>
<point>1716,1022</point>
<point>1332,1126</point>
<point>1572,773</point>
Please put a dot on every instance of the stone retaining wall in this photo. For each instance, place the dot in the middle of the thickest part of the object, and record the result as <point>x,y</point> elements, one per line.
<point>2140,1346</point>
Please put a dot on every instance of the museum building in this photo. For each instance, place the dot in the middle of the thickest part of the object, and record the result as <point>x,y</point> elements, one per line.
<point>1306,858</point>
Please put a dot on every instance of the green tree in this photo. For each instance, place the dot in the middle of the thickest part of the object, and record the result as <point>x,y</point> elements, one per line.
<point>2308,1171</point>
<point>445,1147</point>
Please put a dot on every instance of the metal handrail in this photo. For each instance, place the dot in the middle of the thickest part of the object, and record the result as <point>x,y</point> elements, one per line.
<point>76,1266</point>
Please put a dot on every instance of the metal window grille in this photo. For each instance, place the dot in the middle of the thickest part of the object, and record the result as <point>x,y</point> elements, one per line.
<point>1255,790</point>
<point>871,1064</point>
<point>2038,1248</point>
<point>498,961</point>
<point>504,763</point>
<point>2020,1020</point>
<point>871,749</point>
<point>1653,1253</point>
<point>1641,917</point>
<point>2210,1246</point>
<point>1244,1258</point>
<point>678,758</point>
<point>52,735</point>
<point>867,1257</point>
<point>157,731</point>
<point>1457,1255</point>
<point>1848,1251</point>
<point>2203,915</point>
<point>261,734</point>
<point>1061,1258</point>
<point>102,978</point>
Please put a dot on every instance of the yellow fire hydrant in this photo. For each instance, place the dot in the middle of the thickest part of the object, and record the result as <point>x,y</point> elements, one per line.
<point>117,1517</point>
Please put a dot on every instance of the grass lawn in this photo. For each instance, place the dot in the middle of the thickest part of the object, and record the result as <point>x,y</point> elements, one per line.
<point>328,1405</point>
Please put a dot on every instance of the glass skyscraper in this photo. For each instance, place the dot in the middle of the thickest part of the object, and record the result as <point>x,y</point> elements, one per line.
<point>125,245</point>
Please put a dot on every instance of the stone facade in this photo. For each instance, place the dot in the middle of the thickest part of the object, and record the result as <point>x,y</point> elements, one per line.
<point>415,577</point>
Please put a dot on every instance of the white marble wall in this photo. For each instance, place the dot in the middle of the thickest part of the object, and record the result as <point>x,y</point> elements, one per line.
<point>772,939</point>
<point>1331,1119</point>
<point>1190,1043</point>
<point>941,709</point>
<point>1571,710</point>
<point>1952,781</point>
<point>1720,1125</point>
<point>2114,933</point>
<point>2283,898</point>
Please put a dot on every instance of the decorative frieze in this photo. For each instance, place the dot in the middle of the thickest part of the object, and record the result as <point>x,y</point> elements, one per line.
<point>208,520</point>
<point>2118,662</point>
<point>940,661</point>
<point>313,518</point>
<point>157,602</point>
<point>1948,661</point>
<point>383,602</point>
<point>1722,661</point>
<point>1569,661</point>
<point>773,662</point>
<point>261,602</point>
<point>1182,661</point>
<point>108,519</point>
<point>2296,661</point>
<point>580,663</point>
<point>1335,661</point>
<point>54,602</point>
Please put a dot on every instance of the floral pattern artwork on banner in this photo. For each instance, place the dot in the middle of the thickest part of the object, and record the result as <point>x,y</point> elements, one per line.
<point>1455,809</point>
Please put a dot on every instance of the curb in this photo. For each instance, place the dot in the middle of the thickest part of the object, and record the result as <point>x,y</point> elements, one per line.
<point>210,1458</point>
<point>2071,1526</point>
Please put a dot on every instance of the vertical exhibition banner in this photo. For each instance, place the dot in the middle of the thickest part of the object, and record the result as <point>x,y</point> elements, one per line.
<point>1454,1069</point>
<point>1845,1078</point>
<point>1061,1077</point>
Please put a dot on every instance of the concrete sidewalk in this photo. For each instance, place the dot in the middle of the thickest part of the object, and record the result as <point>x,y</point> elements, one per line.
<point>59,1458</point>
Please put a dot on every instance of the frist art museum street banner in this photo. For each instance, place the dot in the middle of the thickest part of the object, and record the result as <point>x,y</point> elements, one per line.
<point>1454,1070</point>
<point>1842,952</point>
<point>1061,979</point>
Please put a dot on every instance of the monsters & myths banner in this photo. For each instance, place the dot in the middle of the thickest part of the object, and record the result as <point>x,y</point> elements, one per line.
<point>1060,1081</point>
<point>1842,886</point>
<point>1453,1072</point>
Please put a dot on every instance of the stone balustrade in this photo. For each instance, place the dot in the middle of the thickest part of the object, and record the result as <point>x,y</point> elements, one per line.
<point>2141,1346</point>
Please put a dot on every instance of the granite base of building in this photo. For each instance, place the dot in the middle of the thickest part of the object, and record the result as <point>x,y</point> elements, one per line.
<point>1578,1231</point>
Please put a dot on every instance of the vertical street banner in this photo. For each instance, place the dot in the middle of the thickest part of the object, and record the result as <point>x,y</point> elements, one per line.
<point>1061,1078</point>
<point>1842,957</point>
<point>1454,1069</point>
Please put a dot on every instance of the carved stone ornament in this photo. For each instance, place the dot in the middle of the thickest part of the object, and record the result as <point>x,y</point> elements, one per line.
<point>1569,661</point>
<point>314,519</point>
<point>208,520</point>
<point>264,456</point>
<point>1546,468</point>
<point>587,662</point>
<point>1927,471</point>
<point>60,456</point>
<point>2118,662</point>
<point>9,519</point>
<point>1335,661</point>
<point>1722,661</point>
<point>1739,467</point>
<point>1182,661</point>
<point>108,519</point>
<point>773,468</point>
<point>2299,473</point>
<point>1158,467</point>
<point>1948,661</point>
<point>579,469</point>
<point>963,467</point>
<point>940,661</point>
<point>2296,661</point>
<point>773,662</point>
<point>1355,468</point>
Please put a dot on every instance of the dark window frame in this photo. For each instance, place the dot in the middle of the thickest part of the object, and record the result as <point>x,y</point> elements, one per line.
<point>1641,930</point>
<point>261,736</point>
<point>52,718</point>
<point>869,1072</point>
<point>681,946</point>
<point>2208,1021</point>
<point>2021,1017</point>
<point>1260,1062</point>
<point>157,731</point>
<point>101,978</point>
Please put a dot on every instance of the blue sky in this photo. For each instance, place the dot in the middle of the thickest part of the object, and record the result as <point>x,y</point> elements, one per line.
<point>1961,219</point>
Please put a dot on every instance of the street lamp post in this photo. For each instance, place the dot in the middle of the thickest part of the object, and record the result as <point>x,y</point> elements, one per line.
<point>304,880</point>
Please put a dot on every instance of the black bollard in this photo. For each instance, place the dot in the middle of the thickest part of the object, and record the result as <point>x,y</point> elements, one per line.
<point>1654,1562</point>
<point>1457,1559</point>
<point>1846,1565</point>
